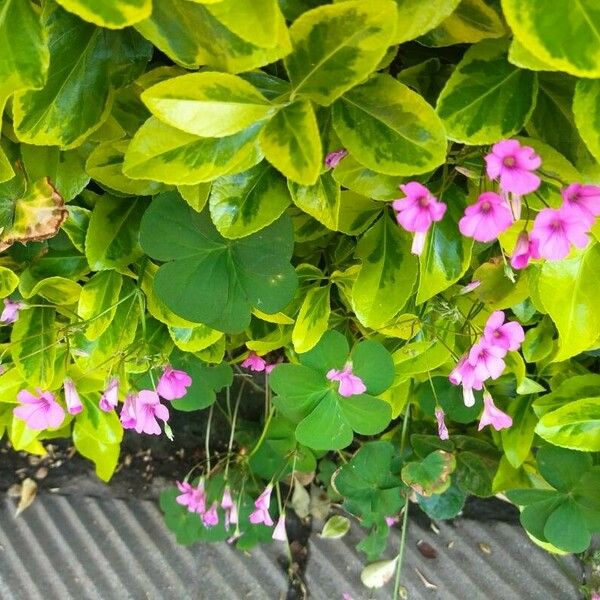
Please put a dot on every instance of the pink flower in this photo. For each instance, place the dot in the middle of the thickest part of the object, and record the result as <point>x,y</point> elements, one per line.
<point>584,199</point>
<point>39,412</point>
<point>514,164</point>
<point>485,220</point>
<point>508,336</point>
<point>470,287</point>
<point>389,521</point>
<point>417,211</point>
<point>127,416</point>
<point>228,505</point>
<point>595,596</point>
<point>555,230</point>
<point>173,384</point>
<point>525,250</point>
<point>350,384</point>
<point>110,397</point>
<point>72,400</point>
<point>332,160</point>
<point>211,517</point>
<point>487,360</point>
<point>255,362</point>
<point>279,533</point>
<point>492,415</point>
<point>11,311</point>
<point>442,429</point>
<point>261,514</point>
<point>192,497</point>
<point>147,409</point>
<point>464,373</point>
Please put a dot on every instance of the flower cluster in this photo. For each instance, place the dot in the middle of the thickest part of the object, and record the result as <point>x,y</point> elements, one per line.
<point>140,410</point>
<point>195,499</point>
<point>514,167</point>
<point>485,360</point>
<point>258,364</point>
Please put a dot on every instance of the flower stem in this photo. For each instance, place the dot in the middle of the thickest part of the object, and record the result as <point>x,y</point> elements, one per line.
<point>261,439</point>
<point>207,439</point>
<point>233,421</point>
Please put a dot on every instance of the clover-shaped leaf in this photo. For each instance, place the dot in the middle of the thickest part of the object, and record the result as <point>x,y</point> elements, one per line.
<point>209,279</point>
<point>567,515</point>
<point>326,420</point>
<point>370,482</point>
<point>430,475</point>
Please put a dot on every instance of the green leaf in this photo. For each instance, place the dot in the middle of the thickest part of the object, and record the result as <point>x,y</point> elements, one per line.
<point>370,483</point>
<point>354,176</point>
<point>291,143</point>
<point>337,46</point>
<point>20,435</point>
<point>112,236</point>
<point>520,55</point>
<point>566,528</point>
<point>114,14</point>
<point>209,279</point>
<point>85,66</point>
<point>23,49</point>
<point>105,165</point>
<point>389,128</point>
<point>97,435</point>
<point>570,389</point>
<point>330,353</point>
<point>555,103</point>
<point>66,170</point>
<point>312,320</point>
<point>568,290</point>
<point>576,425</point>
<point>447,254</point>
<point>194,339</point>
<point>191,35</point>
<point>416,17</point>
<point>195,195</point>
<point>475,473</point>
<point>98,302</point>
<point>443,506</point>
<point>8,282</point>
<point>486,98</point>
<point>207,104</point>
<point>561,468</point>
<point>57,290</point>
<point>31,213</point>
<point>431,475</point>
<point>162,153</point>
<point>374,365</point>
<point>471,22</point>
<point>255,21</point>
<point>245,203</point>
<point>387,276</point>
<point>33,341</point>
<point>206,381</point>
<point>586,108</point>
<point>517,440</point>
<point>538,343</point>
<point>321,200</point>
<point>496,289</point>
<point>566,37</point>
<point>335,528</point>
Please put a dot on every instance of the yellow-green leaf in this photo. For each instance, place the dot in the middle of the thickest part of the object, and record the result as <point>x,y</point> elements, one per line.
<point>312,320</point>
<point>98,302</point>
<point>114,14</point>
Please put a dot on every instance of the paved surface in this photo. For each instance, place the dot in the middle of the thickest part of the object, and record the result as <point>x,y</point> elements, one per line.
<point>73,547</point>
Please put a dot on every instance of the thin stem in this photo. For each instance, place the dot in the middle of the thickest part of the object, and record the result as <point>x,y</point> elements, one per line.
<point>207,439</point>
<point>233,421</point>
<point>400,554</point>
<point>261,439</point>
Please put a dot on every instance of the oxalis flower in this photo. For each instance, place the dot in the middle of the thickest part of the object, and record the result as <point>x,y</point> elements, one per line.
<point>254,362</point>
<point>72,400</point>
<point>442,429</point>
<point>230,508</point>
<point>350,384</point>
<point>333,159</point>
<point>110,397</point>
<point>525,250</point>
<point>507,336</point>
<point>417,211</point>
<point>11,311</point>
<point>514,164</point>
<point>464,374</point>
<point>211,517</point>
<point>583,199</point>
<point>485,220</point>
<point>147,410</point>
<point>39,412</point>
<point>486,360</point>
<point>279,533</point>
<point>492,415</point>
<point>555,230</point>
<point>194,498</point>
<point>127,416</point>
<point>261,512</point>
<point>173,384</point>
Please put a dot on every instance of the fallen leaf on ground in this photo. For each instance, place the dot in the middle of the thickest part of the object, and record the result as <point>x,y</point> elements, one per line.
<point>28,491</point>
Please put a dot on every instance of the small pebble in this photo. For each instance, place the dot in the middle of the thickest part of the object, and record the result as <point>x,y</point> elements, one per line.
<point>485,548</point>
<point>41,473</point>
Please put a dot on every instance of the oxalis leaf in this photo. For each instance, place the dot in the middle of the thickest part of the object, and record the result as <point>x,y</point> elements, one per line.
<point>325,419</point>
<point>209,279</point>
<point>431,475</point>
